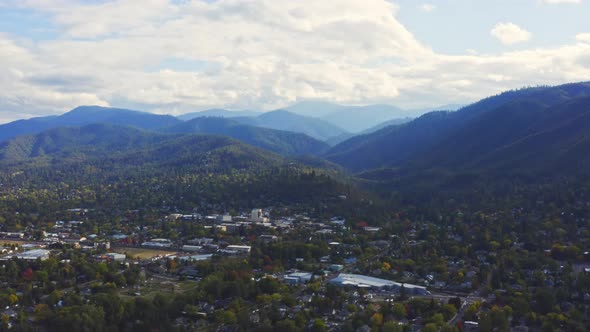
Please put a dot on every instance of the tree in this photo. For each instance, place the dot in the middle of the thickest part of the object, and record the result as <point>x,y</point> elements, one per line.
<point>391,326</point>
<point>449,311</point>
<point>286,325</point>
<point>227,317</point>
<point>430,327</point>
<point>319,326</point>
<point>399,311</point>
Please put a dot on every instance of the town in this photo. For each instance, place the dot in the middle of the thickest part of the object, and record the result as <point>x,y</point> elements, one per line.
<point>379,273</point>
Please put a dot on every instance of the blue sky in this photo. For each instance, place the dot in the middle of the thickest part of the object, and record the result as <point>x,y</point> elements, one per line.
<point>176,56</point>
<point>455,26</point>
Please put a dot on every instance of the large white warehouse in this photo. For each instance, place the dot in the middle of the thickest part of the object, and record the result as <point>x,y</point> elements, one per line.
<point>357,280</point>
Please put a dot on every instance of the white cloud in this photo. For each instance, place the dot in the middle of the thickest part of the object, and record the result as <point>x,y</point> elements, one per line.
<point>427,7</point>
<point>552,2</point>
<point>510,33</point>
<point>583,37</point>
<point>257,55</point>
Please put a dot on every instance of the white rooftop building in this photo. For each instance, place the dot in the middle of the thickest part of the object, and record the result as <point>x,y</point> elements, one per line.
<point>357,280</point>
<point>30,255</point>
<point>298,278</point>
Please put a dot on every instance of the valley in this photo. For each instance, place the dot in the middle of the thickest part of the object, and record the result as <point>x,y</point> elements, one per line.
<point>475,219</point>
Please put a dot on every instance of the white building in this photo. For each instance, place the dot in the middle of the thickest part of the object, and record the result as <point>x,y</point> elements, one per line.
<point>362,281</point>
<point>224,218</point>
<point>165,243</point>
<point>31,255</point>
<point>191,248</point>
<point>257,216</point>
<point>298,278</point>
<point>239,249</point>
<point>116,257</point>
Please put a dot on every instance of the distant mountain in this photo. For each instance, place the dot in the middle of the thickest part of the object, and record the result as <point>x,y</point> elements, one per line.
<point>282,142</point>
<point>357,119</point>
<point>84,115</point>
<point>284,120</point>
<point>314,109</point>
<point>136,147</point>
<point>350,118</point>
<point>447,107</point>
<point>393,122</point>
<point>217,112</point>
<point>66,142</point>
<point>123,167</point>
<point>483,135</point>
<point>341,138</point>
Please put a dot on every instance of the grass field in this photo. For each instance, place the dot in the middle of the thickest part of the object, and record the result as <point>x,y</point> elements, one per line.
<point>142,253</point>
<point>158,284</point>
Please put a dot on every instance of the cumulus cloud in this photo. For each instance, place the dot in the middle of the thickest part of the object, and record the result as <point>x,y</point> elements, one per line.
<point>427,7</point>
<point>552,2</point>
<point>510,33</point>
<point>583,37</point>
<point>179,56</point>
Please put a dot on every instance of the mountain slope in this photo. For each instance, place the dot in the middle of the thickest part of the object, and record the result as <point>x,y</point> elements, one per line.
<point>282,142</point>
<point>134,147</point>
<point>559,139</point>
<point>96,139</point>
<point>353,119</point>
<point>450,139</point>
<point>284,120</point>
<point>115,167</point>
<point>86,115</point>
<point>393,122</point>
<point>217,112</point>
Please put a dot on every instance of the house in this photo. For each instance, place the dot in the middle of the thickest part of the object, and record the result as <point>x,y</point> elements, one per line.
<point>268,238</point>
<point>335,267</point>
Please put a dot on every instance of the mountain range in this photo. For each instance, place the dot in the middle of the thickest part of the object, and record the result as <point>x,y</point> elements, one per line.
<point>541,130</point>
<point>533,128</point>
<point>278,141</point>
<point>84,115</point>
<point>353,119</point>
<point>217,112</point>
<point>322,120</point>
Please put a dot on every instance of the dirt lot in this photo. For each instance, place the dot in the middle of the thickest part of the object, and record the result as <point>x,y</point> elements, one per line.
<point>142,253</point>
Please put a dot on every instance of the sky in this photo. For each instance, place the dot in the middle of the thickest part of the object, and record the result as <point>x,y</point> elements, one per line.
<point>178,56</point>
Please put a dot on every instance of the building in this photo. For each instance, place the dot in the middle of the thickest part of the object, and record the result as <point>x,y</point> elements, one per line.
<point>174,217</point>
<point>9,235</point>
<point>268,238</point>
<point>257,216</point>
<point>298,278</point>
<point>203,241</point>
<point>224,218</point>
<point>191,248</point>
<point>30,255</point>
<point>238,249</point>
<point>116,257</point>
<point>335,267</point>
<point>191,217</point>
<point>164,243</point>
<point>361,281</point>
